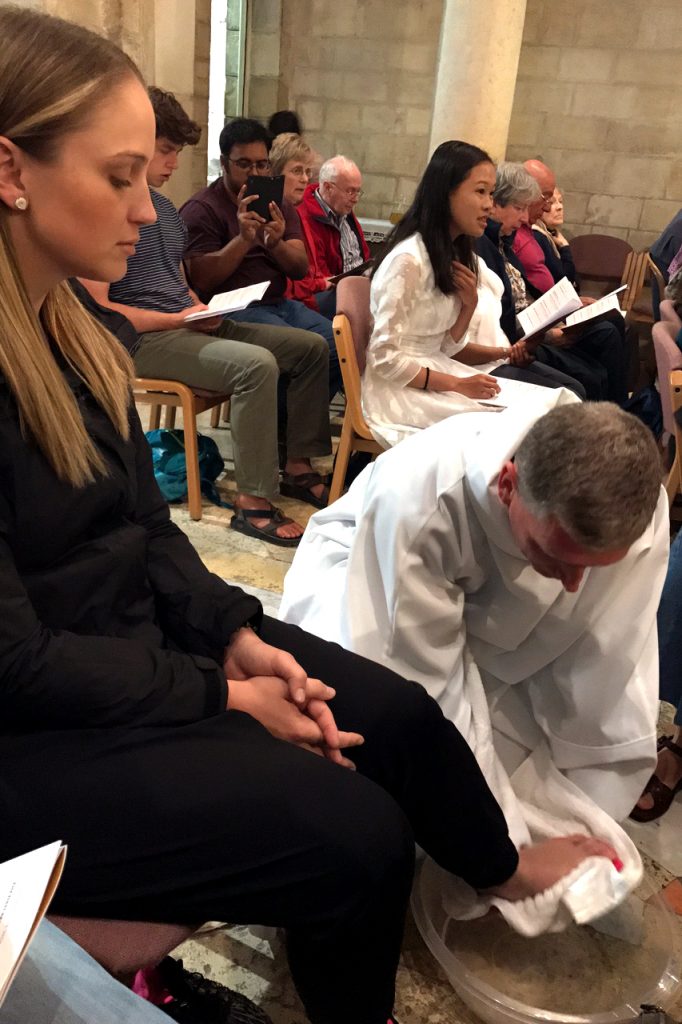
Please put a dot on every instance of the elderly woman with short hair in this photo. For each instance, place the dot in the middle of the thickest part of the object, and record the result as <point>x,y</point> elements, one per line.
<point>555,246</point>
<point>291,156</point>
<point>515,190</point>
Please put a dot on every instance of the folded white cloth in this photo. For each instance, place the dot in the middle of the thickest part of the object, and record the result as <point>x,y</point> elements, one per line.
<point>540,803</point>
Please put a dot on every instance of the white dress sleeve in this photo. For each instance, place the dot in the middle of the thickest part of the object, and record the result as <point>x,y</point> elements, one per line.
<point>397,295</point>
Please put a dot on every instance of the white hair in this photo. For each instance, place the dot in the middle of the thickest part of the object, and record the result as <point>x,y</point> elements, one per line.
<point>330,169</point>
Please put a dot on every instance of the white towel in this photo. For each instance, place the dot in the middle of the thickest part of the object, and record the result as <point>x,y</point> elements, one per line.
<point>540,803</point>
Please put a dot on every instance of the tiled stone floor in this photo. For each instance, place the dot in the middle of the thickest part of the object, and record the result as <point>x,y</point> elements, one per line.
<point>255,964</point>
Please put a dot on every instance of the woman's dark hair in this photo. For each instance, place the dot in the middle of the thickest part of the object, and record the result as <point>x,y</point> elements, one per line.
<point>241,131</point>
<point>284,121</point>
<point>429,213</point>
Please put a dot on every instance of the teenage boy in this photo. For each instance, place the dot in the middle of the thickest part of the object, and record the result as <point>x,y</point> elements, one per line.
<point>241,360</point>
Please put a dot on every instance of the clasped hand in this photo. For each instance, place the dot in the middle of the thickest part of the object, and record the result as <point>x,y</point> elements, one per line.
<point>271,686</point>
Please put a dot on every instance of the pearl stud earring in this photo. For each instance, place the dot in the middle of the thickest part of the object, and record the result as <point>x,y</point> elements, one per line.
<point>21,203</point>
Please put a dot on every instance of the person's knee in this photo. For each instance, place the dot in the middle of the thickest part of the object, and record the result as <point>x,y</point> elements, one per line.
<point>377,851</point>
<point>258,371</point>
<point>308,343</point>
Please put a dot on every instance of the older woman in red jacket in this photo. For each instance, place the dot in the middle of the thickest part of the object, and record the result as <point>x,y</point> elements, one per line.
<point>292,157</point>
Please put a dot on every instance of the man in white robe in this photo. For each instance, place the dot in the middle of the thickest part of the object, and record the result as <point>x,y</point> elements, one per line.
<point>440,565</point>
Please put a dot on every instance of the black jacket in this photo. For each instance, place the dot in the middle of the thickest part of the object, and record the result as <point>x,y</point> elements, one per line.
<point>487,248</point>
<point>107,615</point>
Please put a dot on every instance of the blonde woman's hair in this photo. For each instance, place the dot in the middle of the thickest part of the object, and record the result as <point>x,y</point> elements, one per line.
<point>52,75</point>
<point>288,146</point>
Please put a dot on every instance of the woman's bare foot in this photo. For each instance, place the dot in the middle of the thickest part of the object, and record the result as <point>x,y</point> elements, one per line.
<point>543,864</point>
<point>250,501</point>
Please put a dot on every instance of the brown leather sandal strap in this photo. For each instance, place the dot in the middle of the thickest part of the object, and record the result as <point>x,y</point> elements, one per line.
<point>305,480</point>
<point>668,744</point>
<point>661,793</point>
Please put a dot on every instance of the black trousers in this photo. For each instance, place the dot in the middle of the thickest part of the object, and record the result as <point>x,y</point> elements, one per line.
<point>599,359</point>
<point>544,376</point>
<point>219,820</point>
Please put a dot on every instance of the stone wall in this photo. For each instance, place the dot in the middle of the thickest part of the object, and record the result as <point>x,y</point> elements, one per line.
<point>169,40</point>
<point>361,75</point>
<point>597,99</point>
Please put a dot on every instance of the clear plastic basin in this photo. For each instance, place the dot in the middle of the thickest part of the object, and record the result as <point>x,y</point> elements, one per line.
<point>580,976</point>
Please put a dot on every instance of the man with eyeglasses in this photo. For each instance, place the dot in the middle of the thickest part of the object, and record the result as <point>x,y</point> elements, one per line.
<point>327,210</point>
<point>231,246</point>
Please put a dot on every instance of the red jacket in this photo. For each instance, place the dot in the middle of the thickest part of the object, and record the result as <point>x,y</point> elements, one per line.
<point>326,234</point>
<point>314,281</point>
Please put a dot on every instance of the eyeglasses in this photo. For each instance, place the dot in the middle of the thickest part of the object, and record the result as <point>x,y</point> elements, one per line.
<point>300,172</point>
<point>352,193</point>
<point>245,165</point>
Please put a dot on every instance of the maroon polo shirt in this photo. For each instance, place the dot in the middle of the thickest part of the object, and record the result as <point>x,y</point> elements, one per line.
<point>211,219</point>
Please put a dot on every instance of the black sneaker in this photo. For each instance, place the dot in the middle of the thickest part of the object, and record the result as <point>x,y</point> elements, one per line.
<point>198,1000</point>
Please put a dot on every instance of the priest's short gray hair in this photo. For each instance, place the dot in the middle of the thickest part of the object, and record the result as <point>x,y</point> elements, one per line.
<point>513,184</point>
<point>593,467</point>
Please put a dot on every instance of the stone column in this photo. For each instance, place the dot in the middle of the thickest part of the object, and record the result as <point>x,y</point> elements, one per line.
<point>480,43</point>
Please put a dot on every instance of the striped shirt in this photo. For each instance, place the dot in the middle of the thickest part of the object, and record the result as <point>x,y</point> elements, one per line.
<point>153,279</point>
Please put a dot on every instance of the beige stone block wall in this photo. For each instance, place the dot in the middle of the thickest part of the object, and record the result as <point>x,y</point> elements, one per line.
<point>596,98</point>
<point>262,89</point>
<point>202,45</point>
<point>361,74</point>
<point>152,32</point>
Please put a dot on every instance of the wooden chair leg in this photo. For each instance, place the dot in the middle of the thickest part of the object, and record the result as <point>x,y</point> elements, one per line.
<point>215,416</point>
<point>154,417</point>
<point>672,484</point>
<point>192,458</point>
<point>342,458</point>
<point>226,412</point>
<point>169,418</point>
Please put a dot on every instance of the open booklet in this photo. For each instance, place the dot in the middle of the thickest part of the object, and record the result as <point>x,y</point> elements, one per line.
<point>510,391</point>
<point>230,302</point>
<point>358,271</point>
<point>27,885</point>
<point>562,302</point>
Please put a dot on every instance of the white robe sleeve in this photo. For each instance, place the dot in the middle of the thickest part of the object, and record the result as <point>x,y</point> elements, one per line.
<point>598,701</point>
<point>396,297</point>
<point>408,611</point>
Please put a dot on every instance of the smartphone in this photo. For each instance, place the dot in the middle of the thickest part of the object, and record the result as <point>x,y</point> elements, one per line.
<point>268,189</point>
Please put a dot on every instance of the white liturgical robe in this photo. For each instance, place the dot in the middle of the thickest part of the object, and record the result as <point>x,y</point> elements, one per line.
<point>416,567</point>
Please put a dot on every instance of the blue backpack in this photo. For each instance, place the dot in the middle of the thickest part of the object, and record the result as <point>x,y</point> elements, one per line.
<point>170,466</point>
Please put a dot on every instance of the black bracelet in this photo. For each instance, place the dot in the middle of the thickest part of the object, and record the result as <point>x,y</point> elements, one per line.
<point>426,379</point>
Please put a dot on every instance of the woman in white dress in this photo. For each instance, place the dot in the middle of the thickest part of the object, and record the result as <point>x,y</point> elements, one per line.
<point>424,293</point>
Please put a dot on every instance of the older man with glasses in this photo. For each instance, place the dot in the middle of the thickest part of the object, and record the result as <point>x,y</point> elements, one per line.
<point>327,212</point>
<point>230,246</point>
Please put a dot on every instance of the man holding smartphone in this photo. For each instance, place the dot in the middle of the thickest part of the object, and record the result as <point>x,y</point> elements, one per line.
<point>230,245</point>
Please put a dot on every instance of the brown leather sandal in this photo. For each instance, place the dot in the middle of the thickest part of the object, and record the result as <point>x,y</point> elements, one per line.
<point>240,523</point>
<point>301,487</point>
<point>661,794</point>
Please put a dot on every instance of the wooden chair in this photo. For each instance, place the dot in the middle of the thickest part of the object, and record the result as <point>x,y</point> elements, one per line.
<point>674,481</point>
<point>352,328</point>
<point>193,401</point>
<point>639,269</point>
<point>600,257</point>
<point>123,947</point>
<point>669,314</point>
<point>220,412</point>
